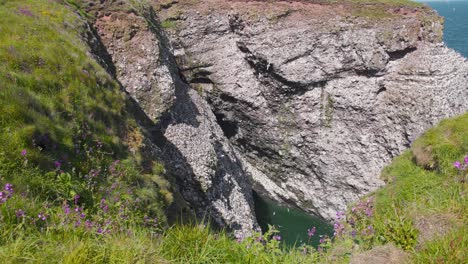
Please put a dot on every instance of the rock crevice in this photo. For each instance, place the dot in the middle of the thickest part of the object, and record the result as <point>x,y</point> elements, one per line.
<point>304,103</point>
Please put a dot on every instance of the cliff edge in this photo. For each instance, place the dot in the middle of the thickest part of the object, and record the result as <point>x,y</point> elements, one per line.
<point>306,101</point>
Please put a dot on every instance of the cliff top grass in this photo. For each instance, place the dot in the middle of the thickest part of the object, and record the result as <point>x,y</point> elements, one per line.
<point>325,9</point>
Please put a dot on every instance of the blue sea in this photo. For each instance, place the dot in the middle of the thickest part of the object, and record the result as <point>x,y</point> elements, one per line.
<point>456,22</point>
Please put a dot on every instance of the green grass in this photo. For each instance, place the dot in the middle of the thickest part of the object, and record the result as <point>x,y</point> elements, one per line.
<point>59,105</point>
<point>168,24</point>
<point>433,191</point>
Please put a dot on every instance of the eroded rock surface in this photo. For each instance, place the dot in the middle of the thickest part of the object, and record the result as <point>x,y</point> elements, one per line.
<point>209,173</point>
<point>309,101</point>
<point>317,103</point>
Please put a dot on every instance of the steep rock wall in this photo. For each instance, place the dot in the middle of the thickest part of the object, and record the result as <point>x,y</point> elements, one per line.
<point>184,131</point>
<point>315,99</point>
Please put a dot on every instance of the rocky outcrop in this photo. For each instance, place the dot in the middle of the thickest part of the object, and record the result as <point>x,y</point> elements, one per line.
<point>305,102</point>
<point>318,104</point>
<point>209,173</point>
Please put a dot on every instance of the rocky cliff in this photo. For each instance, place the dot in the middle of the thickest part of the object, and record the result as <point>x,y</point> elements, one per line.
<point>303,102</point>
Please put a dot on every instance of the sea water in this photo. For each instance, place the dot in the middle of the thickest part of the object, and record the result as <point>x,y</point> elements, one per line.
<point>292,223</point>
<point>455,13</point>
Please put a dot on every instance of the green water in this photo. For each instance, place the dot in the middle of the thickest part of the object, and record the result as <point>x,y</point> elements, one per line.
<point>292,223</point>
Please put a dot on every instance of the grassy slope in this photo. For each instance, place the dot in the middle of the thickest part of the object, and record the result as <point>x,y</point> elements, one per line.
<point>426,196</point>
<point>59,105</point>
<point>65,131</point>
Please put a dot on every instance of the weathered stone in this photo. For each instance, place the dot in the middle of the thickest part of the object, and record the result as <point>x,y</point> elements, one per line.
<point>313,100</point>
<point>319,104</point>
<point>210,175</point>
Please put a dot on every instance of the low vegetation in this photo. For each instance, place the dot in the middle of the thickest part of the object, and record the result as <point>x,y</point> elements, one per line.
<point>76,188</point>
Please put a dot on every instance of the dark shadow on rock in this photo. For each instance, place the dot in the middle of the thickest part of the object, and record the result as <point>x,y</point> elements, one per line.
<point>183,111</point>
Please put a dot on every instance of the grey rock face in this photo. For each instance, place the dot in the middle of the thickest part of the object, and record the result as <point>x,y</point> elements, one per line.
<point>210,174</point>
<point>317,107</point>
<point>137,59</point>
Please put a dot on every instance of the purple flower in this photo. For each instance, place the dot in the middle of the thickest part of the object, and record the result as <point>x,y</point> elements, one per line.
<point>99,230</point>
<point>338,227</point>
<point>75,199</point>
<point>20,213</point>
<point>25,11</point>
<point>466,160</point>
<point>77,223</point>
<point>42,216</point>
<point>353,233</point>
<point>103,205</point>
<point>277,238</point>
<point>9,189</point>
<point>66,209</point>
<point>369,212</point>
<point>311,232</point>
<point>457,164</point>
<point>57,164</point>
<point>339,215</point>
<point>88,224</point>
<point>24,152</point>
<point>322,240</point>
<point>3,197</point>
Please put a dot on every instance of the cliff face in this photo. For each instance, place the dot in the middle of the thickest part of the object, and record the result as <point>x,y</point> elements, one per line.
<point>313,99</point>
<point>208,171</point>
<point>318,102</point>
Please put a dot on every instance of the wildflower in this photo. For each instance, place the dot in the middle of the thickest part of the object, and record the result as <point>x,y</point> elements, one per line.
<point>338,227</point>
<point>457,164</point>
<point>3,197</point>
<point>103,205</point>
<point>339,215</point>
<point>369,212</point>
<point>322,240</point>
<point>89,224</point>
<point>24,11</point>
<point>75,199</point>
<point>57,164</point>
<point>20,213</point>
<point>66,209</point>
<point>99,230</point>
<point>77,223</point>
<point>311,232</point>
<point>353,233</point>
<point>466,160</point>
<point>24,152</point>
<point>42,216</point>
<point>277,237</point>
<point>9,188</point>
